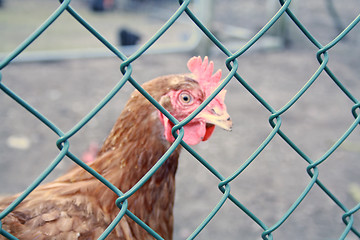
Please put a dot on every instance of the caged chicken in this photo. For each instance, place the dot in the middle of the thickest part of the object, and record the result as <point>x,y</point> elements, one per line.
<point>78,206</point>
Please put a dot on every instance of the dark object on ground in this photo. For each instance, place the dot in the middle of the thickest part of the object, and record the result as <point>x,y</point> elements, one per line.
<point>127,37</point>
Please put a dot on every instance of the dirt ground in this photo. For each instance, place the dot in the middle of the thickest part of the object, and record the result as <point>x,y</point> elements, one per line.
<point>65,91</point>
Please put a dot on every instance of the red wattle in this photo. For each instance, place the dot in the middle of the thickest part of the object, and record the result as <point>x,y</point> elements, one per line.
<point>208,133</point>
<point>195,132</point>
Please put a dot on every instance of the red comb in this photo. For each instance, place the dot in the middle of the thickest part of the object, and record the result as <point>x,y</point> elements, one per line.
<point>203,71</point>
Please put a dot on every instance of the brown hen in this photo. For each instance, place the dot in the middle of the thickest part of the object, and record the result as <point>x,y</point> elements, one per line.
<point>78,206</point>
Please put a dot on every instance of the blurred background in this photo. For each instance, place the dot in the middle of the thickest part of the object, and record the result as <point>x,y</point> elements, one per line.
<point>66,72</point>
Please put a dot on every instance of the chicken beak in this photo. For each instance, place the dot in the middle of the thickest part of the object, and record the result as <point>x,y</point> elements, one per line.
<point>218,117</point>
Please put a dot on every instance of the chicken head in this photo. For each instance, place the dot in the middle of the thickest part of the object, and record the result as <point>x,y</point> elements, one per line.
<point>182,102</point>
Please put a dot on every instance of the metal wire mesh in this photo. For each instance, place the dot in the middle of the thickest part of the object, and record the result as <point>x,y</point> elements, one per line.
<point>275,119</point>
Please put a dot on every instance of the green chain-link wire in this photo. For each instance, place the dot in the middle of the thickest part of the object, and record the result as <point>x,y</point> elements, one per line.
<point>275,119</point>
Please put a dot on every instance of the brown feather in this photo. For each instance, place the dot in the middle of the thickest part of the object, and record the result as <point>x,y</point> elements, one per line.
<point>78,206</point>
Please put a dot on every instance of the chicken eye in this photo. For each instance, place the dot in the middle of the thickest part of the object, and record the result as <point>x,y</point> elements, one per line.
<point>185,98</point>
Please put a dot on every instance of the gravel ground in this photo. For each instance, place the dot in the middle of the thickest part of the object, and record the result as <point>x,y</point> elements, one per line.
<point>65,91</point>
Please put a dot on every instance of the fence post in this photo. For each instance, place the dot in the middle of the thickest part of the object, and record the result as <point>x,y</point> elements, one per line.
<point>280,28</point>
<point>205,10</point>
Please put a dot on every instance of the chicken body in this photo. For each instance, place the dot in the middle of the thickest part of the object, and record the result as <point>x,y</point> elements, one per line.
<point>78,206</point>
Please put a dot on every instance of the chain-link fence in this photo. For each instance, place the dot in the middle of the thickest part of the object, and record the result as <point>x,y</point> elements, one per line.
<point>234,76</point>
